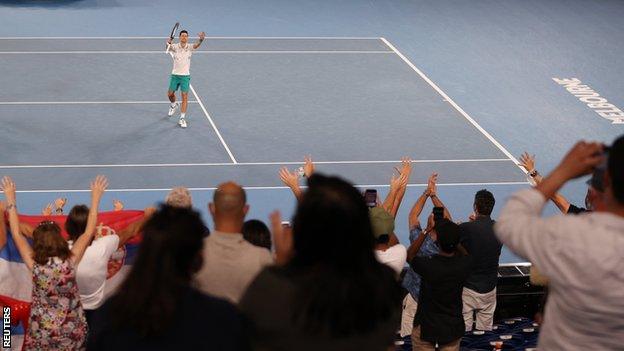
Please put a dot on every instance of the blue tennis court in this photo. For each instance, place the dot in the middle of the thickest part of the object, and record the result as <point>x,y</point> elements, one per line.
<point>357,88</point>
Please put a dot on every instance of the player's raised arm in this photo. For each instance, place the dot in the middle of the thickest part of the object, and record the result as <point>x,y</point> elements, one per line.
<point>202,35</point>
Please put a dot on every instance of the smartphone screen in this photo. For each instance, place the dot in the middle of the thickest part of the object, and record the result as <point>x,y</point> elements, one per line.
<point>370,196</point>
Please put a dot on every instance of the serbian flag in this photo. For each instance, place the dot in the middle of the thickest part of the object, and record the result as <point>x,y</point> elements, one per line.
<point>16,279</point>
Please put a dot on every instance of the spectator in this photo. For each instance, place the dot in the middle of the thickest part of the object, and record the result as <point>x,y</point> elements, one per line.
<point>398,186</point>
<point>581,255</point>
<point>3,233</point>
<point>56,319</point>
<point>91,275</point>
<point>179,197</point>
<point>439,324</point>
<point>58,207</point>
<point>291,179</point>
<point>478,238</point>
<point>593,198</point>
<point>257,233</point>
<point>427,248</point>
<point>156,308</point>
<point>593,201</point>
<point>387,248</point>
<point>118,205</point>
<point>230,261</point>
<point>333,294</point>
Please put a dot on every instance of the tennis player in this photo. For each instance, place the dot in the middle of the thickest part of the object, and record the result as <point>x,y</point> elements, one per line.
<point>181,75</point>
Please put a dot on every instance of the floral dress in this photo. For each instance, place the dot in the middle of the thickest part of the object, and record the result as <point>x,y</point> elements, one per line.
<point>57,321</point>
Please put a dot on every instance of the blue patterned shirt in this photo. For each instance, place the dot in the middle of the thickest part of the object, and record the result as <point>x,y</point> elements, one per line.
<point>411,280</point>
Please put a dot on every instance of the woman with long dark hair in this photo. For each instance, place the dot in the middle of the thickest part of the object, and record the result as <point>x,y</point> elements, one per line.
<point>333,294</point>
<point>156,308</point>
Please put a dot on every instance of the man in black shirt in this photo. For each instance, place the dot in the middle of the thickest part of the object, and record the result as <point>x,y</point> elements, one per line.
<point>439,322</point>
<point>477,237</point>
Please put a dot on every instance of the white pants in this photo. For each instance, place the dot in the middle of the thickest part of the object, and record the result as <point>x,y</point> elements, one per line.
<point>407,316</point>
<point>484,306</point>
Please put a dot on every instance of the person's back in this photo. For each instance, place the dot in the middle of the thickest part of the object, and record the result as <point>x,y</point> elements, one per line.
<point>440,304</point>
<point>439,317</point>
<point>388,250</point>
<point>230,262</point>
<point>581,255</point>
<point>332,294</point>
<point>156,308</point>
<point>200,322</point>
<point>478,238</point>
<point>271,302</point>
<point>585,308</point>
<point>482,244</point>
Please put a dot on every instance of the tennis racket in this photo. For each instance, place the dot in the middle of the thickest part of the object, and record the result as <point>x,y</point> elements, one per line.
<point>173,33</point>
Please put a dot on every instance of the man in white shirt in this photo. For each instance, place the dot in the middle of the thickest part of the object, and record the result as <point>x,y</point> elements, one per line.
<point>230,262</point>
<point>581,255</point>
<point>181,73</point>
<point>387,247</point>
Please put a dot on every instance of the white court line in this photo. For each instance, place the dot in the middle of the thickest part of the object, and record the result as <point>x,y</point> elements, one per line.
<point>212,124</point>
<point>226,38</point>
<point>267,187</point>
<point>459,109</point>
<point>82,102</point>
<point>238,164</point>
<point>201,52</point>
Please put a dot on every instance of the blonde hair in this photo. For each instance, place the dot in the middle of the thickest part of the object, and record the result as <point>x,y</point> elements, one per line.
<point>179,197</point>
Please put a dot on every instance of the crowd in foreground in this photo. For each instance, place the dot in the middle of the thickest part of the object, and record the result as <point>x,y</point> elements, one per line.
<point>334,279</point>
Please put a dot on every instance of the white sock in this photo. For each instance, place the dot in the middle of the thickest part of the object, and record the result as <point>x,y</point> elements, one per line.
<point>182,115</point>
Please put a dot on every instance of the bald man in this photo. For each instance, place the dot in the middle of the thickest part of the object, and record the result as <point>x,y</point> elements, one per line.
<point>230,262</point>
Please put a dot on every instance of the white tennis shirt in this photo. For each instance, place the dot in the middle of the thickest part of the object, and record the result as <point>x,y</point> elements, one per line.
<point>181,58</point>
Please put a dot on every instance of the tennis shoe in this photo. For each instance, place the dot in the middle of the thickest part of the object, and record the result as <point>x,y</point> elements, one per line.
<point>172,109</point>
<point>182,122</point>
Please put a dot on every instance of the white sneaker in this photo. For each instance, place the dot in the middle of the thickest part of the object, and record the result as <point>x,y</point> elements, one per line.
<point>172,109</point>
<point>182,123</point>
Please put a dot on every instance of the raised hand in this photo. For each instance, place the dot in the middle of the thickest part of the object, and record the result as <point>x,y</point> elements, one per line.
<point>308,167</point>
<point>527,162</point>
<point>98,186</point>
<point>201,35</point>
<point>290,179</point>
<point>396,182</point>
<point>59,204</point>
<point>406,166</point>
<point>581,160</point>
<point>8,187</point>
<point>431,184</point>
<point>282,239</point>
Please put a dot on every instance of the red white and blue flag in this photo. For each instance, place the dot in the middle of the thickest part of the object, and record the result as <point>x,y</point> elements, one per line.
<point>16,279</point>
